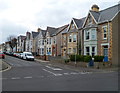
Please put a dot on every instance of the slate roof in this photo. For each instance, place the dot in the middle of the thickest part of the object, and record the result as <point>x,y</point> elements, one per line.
<point>65,31</point>
<point>43,33</point>
<point>106,14</point>
<point>52,30</point>
<point>79,22</point>
<point>34,34</point>
<point>61,29</point>
<point>23,37</point>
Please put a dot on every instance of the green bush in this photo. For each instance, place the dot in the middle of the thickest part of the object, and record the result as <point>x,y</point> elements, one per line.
<point>73,57</point>
<point>87,58</point>
<point>98,58</point>
<point>82,58</point>
<point>66,60</point>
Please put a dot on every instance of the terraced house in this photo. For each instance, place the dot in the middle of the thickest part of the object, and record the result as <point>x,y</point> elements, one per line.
<point>21,43</point>
<point>99,32</point>
<point>41,42</point>
<point>57,41</point>
<point>74,37</point>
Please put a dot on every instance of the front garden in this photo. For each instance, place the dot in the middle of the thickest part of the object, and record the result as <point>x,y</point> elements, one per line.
<point>87,61</point>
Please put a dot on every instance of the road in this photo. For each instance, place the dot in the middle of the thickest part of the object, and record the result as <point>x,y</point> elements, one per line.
<point>41,76</point>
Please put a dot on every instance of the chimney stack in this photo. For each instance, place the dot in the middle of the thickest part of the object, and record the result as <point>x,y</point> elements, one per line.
<point>95,8</point>
<point>38,30</point>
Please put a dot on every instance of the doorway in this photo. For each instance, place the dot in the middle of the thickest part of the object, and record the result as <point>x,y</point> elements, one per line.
<point>105,53</point>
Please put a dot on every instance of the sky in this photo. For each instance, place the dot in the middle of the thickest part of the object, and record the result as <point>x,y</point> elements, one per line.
<point>19,16</point>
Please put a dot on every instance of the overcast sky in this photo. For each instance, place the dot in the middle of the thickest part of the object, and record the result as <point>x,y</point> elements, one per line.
<point>19,16</point>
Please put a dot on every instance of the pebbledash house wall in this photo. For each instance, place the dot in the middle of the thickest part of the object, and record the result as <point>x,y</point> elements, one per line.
<point>116,40</point>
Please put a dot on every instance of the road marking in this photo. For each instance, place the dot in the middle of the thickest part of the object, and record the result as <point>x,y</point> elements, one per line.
<point>15,78</point>
<point>28,77</point>
<point>58,74</point>
<point>49,72</point>
<point>53,68</point>
<point>66,73</point>
<point>74,73</point>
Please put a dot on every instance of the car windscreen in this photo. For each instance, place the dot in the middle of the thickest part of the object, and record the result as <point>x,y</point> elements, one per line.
<point>29,54</point>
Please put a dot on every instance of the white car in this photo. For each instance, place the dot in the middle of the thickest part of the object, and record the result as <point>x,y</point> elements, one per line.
<point>21,55</point>
<point>28,56</point>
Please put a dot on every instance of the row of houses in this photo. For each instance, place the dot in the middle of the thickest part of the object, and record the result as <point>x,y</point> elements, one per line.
<point>95,34</point>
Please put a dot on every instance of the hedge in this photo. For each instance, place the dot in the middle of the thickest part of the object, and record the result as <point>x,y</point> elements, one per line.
<point>98,58</point>
<point>80,58</point>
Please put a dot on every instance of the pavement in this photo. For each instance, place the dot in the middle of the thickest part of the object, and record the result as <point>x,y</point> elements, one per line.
<point>4,66</point>
<point>78,68</point>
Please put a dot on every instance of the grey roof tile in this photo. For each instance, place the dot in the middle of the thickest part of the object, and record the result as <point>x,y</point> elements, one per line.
<point>61,29</point>
<point>51,30</point>
<point>106,14</point>
<point>79,22</point>
<point>34,34</point>
<point>43,33</point>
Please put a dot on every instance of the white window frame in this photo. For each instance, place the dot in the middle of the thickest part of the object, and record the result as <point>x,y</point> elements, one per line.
<point>72,26</point>
<point>93,32</point>
<point>70,38</point>
<point>86,50</point>
<point>103,31</point>
<point>86,32</point>
<point>75,38</point>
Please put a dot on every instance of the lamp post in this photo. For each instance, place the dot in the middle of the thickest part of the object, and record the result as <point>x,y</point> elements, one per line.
<point>75,59</point>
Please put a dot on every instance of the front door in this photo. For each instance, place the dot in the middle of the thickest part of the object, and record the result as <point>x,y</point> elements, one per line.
<point>105,53</point>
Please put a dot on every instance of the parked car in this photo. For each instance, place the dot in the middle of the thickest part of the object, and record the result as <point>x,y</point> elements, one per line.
<point>20,55</point>
<point>15,54</point>
<point>2,55</point>
<point>28,56</point>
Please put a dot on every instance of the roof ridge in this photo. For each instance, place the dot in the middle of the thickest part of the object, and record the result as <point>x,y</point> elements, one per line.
<point>109,7</point>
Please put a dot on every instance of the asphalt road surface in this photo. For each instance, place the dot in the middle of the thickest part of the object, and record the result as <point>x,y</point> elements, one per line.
<point>41,76</point>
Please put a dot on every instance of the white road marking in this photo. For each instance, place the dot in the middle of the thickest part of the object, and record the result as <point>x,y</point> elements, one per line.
<point>53,68</point>
<point>66,73</point>
<point>74,73</point>
<point>58,74</point>
<point>15,78</point>
<point>28,77</point>
<point>49,72</point>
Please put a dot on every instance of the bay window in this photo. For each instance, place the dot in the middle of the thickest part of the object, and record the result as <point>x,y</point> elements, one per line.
<point>87,35</point>
<point>70,38</point>
<point>87,50</point>
<point>74,38</point>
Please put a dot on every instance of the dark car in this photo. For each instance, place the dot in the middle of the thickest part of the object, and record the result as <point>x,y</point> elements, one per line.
<point>2,55</point>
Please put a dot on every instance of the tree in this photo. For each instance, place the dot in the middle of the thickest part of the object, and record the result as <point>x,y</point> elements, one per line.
<point>12,41</point>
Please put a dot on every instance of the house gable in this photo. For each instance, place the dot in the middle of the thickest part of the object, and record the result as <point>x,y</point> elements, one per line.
<point>89,20</point>
<point>72,25</point>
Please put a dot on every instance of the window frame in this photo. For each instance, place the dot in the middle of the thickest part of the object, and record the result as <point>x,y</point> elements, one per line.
<point>70,38</point>
<point>75,38</point>
<point>104,33</point>
<point>87,53</point>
